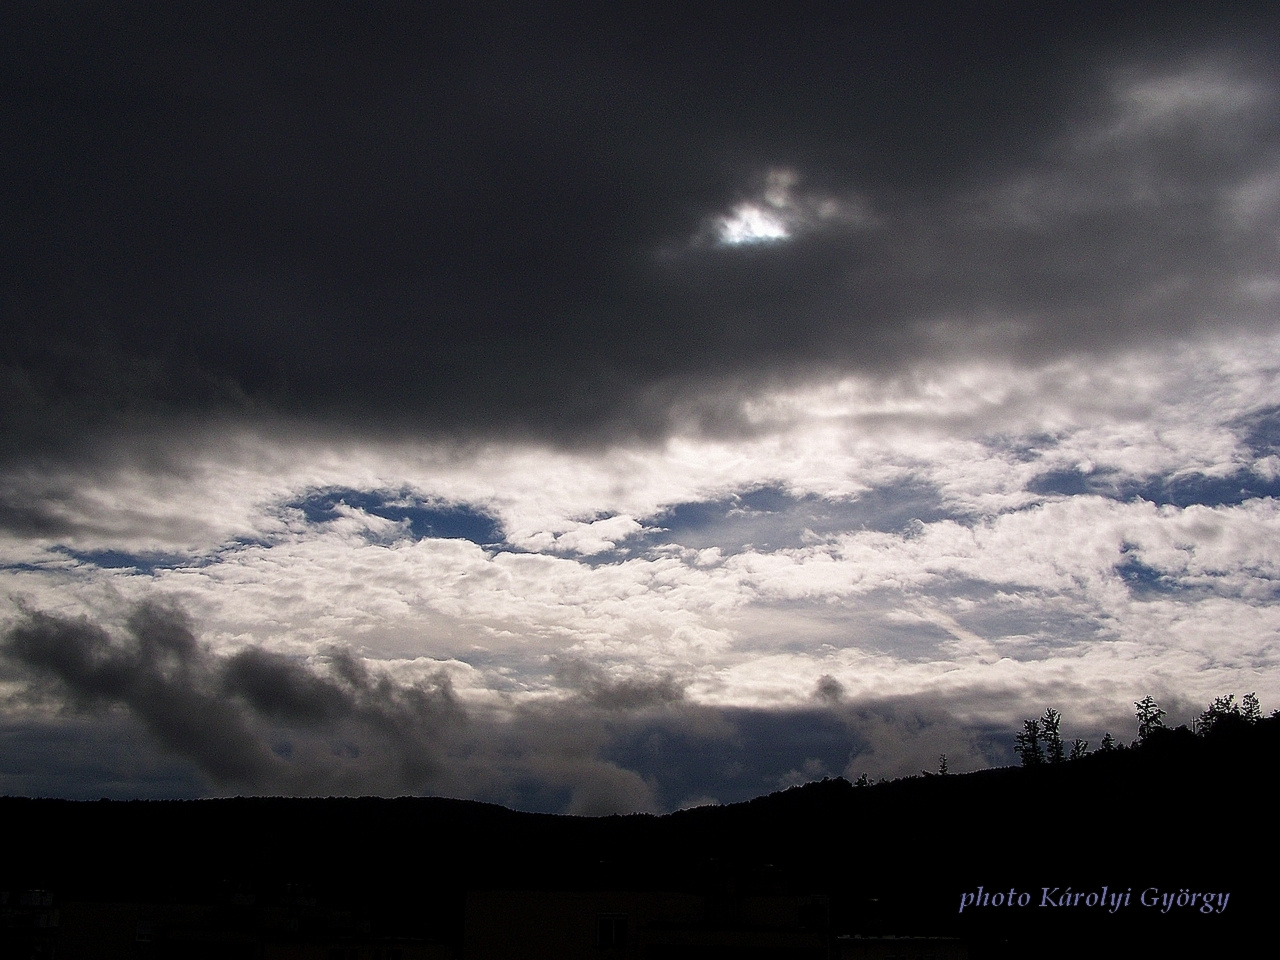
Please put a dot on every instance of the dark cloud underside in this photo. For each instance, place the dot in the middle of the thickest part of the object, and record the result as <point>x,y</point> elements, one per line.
<point>171,718</point>
<point>252,720</point>
<point>476,218</point>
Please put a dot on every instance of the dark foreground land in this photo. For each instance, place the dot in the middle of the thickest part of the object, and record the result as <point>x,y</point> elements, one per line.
<point>1169,848</point>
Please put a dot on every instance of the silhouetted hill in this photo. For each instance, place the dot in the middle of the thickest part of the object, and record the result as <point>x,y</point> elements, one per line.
<point>1181,813</point>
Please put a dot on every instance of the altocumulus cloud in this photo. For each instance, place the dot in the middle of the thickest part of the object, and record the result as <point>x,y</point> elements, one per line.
<point>934,584</point>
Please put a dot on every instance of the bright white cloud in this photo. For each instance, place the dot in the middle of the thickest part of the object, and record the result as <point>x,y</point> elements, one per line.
<point>749,223</point>
<point>1005,585</point>
<point>778,211</point>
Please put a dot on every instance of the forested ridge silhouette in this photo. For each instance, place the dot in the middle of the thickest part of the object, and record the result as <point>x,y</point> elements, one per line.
<point>1178,810</point>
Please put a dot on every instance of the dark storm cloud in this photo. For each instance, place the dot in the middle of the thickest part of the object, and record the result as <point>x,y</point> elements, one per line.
<point>256,721</point>
<point>261,722</point>
<point>160,674</point>
<point>828,689</point>
<point>278,688</point>
<point>32,519</point>
<point>477,217</point>
<point>595,686</point>
<point>253,720</point>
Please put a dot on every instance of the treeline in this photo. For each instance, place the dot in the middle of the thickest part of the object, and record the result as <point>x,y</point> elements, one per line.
<point>1040,740</point>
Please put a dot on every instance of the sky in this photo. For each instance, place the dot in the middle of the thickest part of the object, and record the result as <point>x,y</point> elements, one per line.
<point>623,407</point>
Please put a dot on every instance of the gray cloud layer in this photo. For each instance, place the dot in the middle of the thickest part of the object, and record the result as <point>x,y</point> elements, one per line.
<point>480,222</point>
<point>258,722</point>
<point>231,716</point>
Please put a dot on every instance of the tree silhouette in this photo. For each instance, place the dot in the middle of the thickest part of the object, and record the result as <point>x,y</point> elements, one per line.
<point>1040,740</point>
<point>1150,717</point>
<point>1051,724</point>
<point>1250,709</point>
<point>1218,711</point>
<point>1027,744</point>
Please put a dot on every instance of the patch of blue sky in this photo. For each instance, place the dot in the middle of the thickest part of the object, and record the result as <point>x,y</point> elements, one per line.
<point>1261,432</point>
<point>1022,449</point>
<point>240,543</point>
<point>770,518</point>
<point>24,567</point>
<point>1073,483</point>
<point>1196,489</point>
<point>1182,490</point>
<point>1144,580</point>
<point>1148,582</point>
<point>426,520</point>
<point>145,563</point>
<point>605,558</point>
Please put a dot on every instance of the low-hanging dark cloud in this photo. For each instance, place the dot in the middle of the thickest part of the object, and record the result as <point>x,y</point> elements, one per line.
<point>260,722</point>
<point>479,219</point>
<point>159,673</point>
<point>252,720</point>
<point>149,709</point>
<point>597,688</point>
